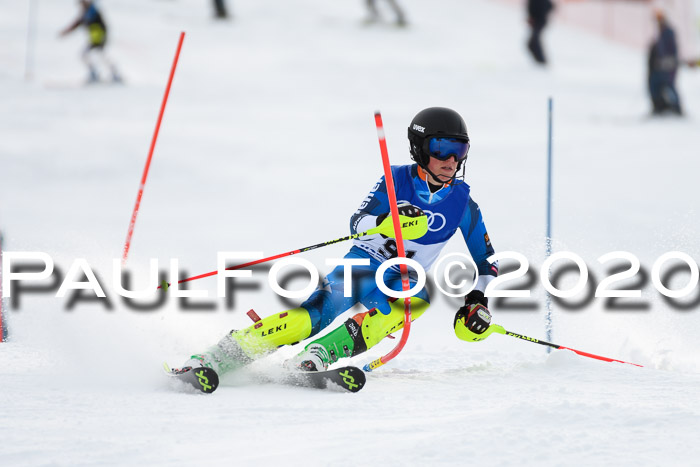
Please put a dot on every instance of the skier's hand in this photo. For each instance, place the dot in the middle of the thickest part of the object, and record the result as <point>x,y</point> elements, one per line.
<point>406,209</point>
<point>412,219</point>
<point>472,323</point>
<point>473,320</point>
<point>478,318</point>
<point>476,297</point>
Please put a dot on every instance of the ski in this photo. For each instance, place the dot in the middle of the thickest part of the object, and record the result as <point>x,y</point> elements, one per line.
<point>347,378</point>
<point>203,379</point>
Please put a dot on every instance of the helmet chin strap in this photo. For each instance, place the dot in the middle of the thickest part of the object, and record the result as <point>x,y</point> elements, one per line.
<point>462,165</point>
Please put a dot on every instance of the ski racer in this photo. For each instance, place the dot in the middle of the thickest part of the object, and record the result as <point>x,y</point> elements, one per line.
<point>91,18</point>
<point>439,145</point>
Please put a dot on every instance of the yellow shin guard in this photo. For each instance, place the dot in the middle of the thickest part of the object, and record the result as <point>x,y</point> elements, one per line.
<point>363,331</point>
<point>274,331</point>
<point>376,326</point>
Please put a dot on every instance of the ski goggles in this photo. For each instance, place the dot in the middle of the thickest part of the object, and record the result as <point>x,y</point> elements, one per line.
<point>444,148</point>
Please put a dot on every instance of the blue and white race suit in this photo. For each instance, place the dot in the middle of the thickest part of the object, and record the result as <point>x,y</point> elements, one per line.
<point>449,209</point>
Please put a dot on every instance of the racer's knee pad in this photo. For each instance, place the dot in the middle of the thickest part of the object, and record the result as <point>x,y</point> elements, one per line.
<point>376,326</point>
<point>364,330</point>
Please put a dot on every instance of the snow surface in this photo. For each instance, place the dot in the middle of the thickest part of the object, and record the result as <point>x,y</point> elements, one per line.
<point>268,144</point>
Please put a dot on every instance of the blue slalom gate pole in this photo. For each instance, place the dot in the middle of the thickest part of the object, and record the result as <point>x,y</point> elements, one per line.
<point>548,238</point>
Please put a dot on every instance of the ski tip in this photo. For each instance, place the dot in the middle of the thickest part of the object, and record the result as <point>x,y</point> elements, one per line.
<point>203,379</point>
<point>347,378</point>
<point>207,379</point>
<point>353,378</point>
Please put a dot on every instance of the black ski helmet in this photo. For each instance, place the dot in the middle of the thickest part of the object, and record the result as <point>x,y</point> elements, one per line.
<point>430,122</point>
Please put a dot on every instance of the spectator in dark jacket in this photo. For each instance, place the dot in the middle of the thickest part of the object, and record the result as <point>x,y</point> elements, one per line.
<point>663,66</point>
<point>220,11</point>
<point>537,11</point>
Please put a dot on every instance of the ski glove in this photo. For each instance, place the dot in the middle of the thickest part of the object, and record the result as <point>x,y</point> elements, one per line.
<point>475,321</point>
<point>471,321</point>
<point>478,319</point>
<point>407,210</point>
<point>476,297</point>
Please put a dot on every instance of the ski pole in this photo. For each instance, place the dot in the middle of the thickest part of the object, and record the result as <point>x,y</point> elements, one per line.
<point>500,330</point>
<point>412,227</point>
<point>405,284</point>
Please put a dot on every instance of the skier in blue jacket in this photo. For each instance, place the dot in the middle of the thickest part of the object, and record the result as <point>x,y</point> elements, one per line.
<point>439,145</point>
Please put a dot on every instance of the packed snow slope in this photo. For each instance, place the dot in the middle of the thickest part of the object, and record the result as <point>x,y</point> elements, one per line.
<point>268,144</point>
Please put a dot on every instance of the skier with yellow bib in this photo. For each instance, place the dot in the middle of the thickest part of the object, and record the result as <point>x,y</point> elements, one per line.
<point>91,18</point>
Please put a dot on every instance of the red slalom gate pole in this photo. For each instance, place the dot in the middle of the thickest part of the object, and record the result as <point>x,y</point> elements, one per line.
<point>405,284</point>
<point>135,213</point>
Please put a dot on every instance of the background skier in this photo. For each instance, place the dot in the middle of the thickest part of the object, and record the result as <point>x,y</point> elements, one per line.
<point>91,18</point>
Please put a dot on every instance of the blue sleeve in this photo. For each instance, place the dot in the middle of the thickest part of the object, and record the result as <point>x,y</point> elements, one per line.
<point>376,203</point>
<point>90,15</point>
<point>477,239</point>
